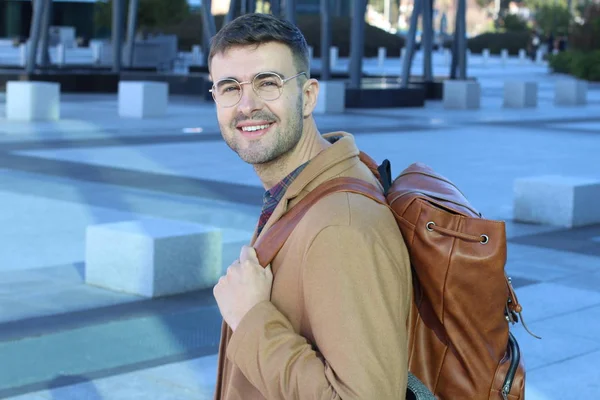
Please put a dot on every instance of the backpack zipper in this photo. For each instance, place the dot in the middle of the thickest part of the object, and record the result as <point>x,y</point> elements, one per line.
<point>515,358</point>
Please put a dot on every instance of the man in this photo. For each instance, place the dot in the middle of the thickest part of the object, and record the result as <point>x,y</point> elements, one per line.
<point>328,318</point>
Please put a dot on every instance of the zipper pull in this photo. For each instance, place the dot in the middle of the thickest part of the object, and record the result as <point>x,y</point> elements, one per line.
<point>527,329</point>
<point>514,306</point>
<point>504,392</point>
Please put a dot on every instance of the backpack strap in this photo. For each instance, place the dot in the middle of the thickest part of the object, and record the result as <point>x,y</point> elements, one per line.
<point>269,244</point>
<point>382,172</point>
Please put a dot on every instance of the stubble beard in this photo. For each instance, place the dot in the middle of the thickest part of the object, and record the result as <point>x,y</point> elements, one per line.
<point>274,144</point>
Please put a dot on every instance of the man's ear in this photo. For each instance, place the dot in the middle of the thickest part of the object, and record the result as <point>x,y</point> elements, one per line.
<point>311,93</point>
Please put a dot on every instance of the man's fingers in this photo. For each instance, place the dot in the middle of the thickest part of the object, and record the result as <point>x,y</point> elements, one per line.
<point>248,254</point>
<point>269,272</point>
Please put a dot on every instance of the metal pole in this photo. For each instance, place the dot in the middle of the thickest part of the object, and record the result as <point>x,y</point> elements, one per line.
<point>454,62</point>
<point>427,39</point>
<point>276,7</point>
<point>231,13</point>
<point>45,39</point>
<point>554,16</point>
<point>117,35</point>
<point>387,9</point>
<point>462,40</point>
<point>395,13</point>
<point>410,43</point>
<point>244,8</point>
<point>209,27</point>
<point>325,40</point>
<point>34,34</point>
<point>337,8</point>
<point>290,11</point>
<point>357,42</point>
<point>131,28</point>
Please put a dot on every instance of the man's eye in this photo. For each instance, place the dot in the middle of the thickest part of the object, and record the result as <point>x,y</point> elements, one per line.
<point>229,89</point>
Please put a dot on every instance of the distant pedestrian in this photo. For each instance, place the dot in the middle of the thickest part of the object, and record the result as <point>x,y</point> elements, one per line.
<point>535,45</point>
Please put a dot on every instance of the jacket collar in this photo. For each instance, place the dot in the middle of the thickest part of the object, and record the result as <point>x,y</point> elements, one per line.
<point>326,165</point>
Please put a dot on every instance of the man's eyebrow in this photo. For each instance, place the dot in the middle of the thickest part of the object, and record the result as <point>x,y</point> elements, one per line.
<point>277,72</point>
<point>228,77</point>
<point>261,72</point>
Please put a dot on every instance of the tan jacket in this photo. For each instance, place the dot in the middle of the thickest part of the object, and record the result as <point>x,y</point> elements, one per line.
<point>336,325</point>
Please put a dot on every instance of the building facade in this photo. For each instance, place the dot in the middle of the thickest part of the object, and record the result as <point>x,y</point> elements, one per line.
<point>15,17</point>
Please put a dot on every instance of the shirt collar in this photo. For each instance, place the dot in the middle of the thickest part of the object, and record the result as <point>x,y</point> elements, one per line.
<point>275,193</point>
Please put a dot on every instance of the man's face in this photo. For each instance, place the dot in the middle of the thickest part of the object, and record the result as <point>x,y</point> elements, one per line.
<point>260,131</point>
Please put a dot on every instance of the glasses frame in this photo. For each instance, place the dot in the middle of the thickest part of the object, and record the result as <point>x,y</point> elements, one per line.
<point>283,82</point>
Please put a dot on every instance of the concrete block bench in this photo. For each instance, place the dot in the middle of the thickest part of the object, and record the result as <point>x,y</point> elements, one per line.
<point>520,94</point>
<point>570,92</point>
<point>32,101</point>
<point>334,55</point>
<point>332,97</point>
<point>557,200</point>
<point>461,95</point>
<point>143,99</point>
<point>154,257</point>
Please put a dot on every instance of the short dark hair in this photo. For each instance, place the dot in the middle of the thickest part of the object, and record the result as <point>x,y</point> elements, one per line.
<point>257,29</point>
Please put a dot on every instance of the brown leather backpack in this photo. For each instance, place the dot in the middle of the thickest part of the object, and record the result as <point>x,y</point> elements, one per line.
<point>459,339</point>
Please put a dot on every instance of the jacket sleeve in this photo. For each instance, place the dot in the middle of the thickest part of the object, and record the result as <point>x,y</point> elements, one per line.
<point>355,295</point>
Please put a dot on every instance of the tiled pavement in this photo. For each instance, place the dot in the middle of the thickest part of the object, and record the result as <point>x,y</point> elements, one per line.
<point>61,339</point>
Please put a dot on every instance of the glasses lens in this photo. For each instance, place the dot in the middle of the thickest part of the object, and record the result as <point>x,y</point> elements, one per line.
<point>227,92</point>
<point>268,86</point>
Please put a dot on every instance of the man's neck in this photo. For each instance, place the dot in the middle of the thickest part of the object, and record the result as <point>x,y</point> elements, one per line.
<point>311,144</point>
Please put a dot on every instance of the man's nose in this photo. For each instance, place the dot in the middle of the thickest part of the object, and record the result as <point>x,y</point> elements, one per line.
<point>250,101</point>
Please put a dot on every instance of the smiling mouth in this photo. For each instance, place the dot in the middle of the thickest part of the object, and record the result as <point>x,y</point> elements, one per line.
<point>255,130</point>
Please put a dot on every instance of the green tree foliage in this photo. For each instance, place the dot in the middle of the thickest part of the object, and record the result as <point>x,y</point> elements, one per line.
<point>513,23</point>
<point>552,18</point>
<point>586,37</point>
<point>151,13</point>
<point>483,3</point>
<point>583,57</point>
<point>581,64</point>
<point>534,4</point>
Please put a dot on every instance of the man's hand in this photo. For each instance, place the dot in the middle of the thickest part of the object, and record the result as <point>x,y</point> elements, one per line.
<point>246,284</point>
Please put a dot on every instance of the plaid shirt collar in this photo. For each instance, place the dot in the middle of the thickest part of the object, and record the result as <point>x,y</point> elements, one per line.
<point>273,196</point>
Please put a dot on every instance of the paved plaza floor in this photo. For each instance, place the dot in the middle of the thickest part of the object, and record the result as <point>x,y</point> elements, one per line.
<point>62,339</point>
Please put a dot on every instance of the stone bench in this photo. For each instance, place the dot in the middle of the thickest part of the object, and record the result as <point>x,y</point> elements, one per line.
<point>156,257</point>
<point>381,56</point>
<point>570,92</point>
<point>485,56</point>
<point>557,200</point>
<point>334,55</point>
<point>503,56</point>
<point>143,99</point>
<point>332,97</point>
<point>461,95</point>
<point>520,94</point>
<point>32,101</point>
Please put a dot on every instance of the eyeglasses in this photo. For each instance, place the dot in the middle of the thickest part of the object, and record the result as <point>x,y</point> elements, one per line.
<point>267,85</point>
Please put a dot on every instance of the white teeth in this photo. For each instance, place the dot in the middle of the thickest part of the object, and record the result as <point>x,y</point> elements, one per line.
<point>254,128</point>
